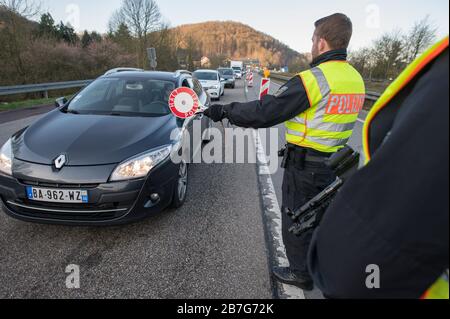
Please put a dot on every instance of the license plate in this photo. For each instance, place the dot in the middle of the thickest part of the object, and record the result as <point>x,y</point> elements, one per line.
<point>57,195</point>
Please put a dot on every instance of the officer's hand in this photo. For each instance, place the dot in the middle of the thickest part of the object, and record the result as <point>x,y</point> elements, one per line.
<point>215,113</point>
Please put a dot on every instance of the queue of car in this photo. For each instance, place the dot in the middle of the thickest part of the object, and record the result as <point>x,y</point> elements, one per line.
<point>215,81</point>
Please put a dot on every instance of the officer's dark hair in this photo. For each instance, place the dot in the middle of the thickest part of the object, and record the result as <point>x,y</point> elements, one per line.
<point>336,29</point>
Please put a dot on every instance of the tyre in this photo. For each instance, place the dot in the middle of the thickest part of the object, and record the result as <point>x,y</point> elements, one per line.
<point>181,186</point>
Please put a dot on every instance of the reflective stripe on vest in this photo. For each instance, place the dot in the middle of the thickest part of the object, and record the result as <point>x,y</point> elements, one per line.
<point>399,84</point>
<point>336,93</point>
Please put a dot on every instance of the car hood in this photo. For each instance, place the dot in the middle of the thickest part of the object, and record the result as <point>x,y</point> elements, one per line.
<point>208,83</point>
<point>91,139</point>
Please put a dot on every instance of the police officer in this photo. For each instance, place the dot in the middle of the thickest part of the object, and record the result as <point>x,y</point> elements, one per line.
<point>386,233</point>
<point>319,107</point>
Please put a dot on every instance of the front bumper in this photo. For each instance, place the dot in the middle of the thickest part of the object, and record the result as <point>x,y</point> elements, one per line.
<point>110,203</point>
<point>230,83</point>
<point>215,93</point>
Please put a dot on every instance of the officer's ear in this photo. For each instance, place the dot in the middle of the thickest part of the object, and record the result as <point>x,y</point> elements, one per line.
<point>323,46</point>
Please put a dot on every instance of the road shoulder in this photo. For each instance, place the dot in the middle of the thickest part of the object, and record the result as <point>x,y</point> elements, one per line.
<point>14,115</point>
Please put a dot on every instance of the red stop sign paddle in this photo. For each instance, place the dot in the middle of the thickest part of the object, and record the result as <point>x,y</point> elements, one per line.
<point>183,102</point>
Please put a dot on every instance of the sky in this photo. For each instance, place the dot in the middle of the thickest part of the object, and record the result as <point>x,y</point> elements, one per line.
<point>290,21</point>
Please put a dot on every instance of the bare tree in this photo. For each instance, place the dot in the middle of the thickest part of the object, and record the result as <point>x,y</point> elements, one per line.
<point>421,36</point>
<point>387,55</point>
<point>141,17</point>
<point>16,33</point>
<point>361,60</point>
<point>25,8</point>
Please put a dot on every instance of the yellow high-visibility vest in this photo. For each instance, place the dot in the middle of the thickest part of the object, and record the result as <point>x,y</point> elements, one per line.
<point>399,84</point>
<point>336,93</point>
<point>440,289</point>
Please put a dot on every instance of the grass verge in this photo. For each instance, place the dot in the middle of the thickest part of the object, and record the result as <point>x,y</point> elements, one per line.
<point>27,104</point>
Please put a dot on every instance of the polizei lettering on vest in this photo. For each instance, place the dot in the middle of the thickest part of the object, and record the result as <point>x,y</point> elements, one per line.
<point>345,104</point>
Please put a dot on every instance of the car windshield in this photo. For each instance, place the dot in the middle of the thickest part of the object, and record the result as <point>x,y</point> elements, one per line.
<point>206,76</point>
<point>226,72</point>
<point>236,69</point>
<point>127,97</point>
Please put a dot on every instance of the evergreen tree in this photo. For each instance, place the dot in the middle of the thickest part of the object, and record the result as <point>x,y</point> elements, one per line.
<point>86,39</point>
<point>46,26</point>
<point>66,33</point>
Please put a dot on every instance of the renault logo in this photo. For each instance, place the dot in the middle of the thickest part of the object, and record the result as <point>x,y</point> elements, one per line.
<point>60,161</point>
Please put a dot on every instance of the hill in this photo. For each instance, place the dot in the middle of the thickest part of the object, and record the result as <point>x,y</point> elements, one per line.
<point>234,40</point>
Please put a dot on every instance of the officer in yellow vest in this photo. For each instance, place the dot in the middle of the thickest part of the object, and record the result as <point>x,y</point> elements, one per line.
<point>386,234</point>
<point>320,108</point>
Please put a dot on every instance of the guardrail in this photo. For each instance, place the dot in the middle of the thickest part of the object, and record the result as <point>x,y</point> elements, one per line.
<point>44,87</point>
<point>371,96</point>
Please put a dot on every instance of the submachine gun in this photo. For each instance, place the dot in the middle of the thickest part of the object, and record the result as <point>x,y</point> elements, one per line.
<point>344,163</point>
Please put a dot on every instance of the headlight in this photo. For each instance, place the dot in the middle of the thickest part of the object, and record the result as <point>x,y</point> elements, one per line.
<point>6,158</point>
<point>140,165</point>
<point>215,87</point>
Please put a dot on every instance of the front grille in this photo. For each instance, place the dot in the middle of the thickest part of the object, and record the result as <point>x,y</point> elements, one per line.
<point>57,186</point>
<point>69,212</point>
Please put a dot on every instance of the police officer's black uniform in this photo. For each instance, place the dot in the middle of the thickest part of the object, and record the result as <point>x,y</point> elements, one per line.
<point>394,213</point>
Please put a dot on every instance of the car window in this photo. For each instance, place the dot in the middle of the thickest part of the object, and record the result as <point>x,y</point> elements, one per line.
<point>206,76</point>
<point>128,97</point>
<point>95,95</point>
<point>191,83</point>
<point>186,83</point>
<point>199,91</point>
<point>226,72</point>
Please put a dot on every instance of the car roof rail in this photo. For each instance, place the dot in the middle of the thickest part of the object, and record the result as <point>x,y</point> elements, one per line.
<point>118,70</point>
<point>179,72</point>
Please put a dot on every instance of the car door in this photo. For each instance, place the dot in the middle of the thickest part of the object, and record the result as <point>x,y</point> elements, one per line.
<point>221,83</point>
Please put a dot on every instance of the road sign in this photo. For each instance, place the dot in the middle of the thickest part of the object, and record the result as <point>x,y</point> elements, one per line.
<point>151,52</point>
<point>183,102</point>
<point>265,86</point>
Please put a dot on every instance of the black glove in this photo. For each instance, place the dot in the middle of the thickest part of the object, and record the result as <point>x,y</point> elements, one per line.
<point>215,113</point>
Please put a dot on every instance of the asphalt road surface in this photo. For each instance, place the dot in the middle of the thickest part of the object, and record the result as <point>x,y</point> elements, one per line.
<point>215,246</point>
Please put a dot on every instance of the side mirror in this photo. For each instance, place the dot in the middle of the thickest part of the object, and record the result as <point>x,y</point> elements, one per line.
<point>222,80</point>
<point>60,102</point>
<point>202,109</point>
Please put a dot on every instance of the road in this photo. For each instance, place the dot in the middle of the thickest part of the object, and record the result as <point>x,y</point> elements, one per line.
<point>218,245</point>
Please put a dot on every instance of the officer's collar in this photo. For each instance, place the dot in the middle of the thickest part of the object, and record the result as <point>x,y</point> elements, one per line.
<point>334,55</point>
